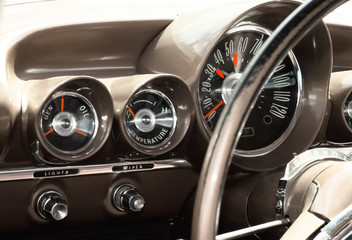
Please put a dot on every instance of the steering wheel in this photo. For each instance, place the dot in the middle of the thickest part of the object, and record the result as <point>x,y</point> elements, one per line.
<point>226,135</point>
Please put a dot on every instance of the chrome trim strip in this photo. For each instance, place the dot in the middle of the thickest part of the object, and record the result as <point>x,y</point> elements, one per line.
<point>25,174</point>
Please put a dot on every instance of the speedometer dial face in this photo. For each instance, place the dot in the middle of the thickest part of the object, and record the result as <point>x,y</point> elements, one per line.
<point>275,109</point>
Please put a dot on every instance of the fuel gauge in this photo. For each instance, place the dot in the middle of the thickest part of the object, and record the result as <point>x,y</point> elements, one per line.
<point>69,122</point>
<point>150,119</point>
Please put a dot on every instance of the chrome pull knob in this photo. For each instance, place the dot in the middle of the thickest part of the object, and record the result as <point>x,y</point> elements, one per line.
<point>126,198</point>
<point>51,205</point>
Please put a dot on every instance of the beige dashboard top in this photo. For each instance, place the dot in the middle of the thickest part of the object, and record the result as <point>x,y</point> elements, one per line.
<point>30,13</point>
<point>20,13</point>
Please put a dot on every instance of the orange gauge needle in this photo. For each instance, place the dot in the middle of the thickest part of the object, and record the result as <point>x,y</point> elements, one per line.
<point>129,109</point>
<point>216,107</point>
<point>235,60</point>
<point>62,104</point>
<point>218,71</point>
<point>48,132</point>
<point>81,133</point>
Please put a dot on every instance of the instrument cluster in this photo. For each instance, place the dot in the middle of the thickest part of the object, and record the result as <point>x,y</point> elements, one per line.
<point>175,84</point>
<point>72,122</point>
<point>98,115</point>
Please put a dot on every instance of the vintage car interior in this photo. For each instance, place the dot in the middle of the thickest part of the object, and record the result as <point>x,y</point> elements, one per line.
<point>175,119</point>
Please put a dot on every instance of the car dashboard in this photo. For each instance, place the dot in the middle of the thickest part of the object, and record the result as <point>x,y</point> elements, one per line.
<point>106,112</point>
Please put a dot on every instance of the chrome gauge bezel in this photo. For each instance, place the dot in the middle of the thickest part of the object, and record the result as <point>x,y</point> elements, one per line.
<point>347,110</point>
<point>261,151</point>
<point>166,142</point>
<point>81,150</point>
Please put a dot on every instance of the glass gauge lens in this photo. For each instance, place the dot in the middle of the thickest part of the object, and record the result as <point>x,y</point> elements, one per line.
<point>276,105</point>
<point>150,119</point>
<point>348,110</point>
<point>69,122</point>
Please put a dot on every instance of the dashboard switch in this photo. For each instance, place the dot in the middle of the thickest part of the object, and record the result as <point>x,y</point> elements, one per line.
<point>52,206</point>
<point>126,198</point>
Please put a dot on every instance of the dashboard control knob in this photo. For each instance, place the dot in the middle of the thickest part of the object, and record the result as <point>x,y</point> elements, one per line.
<point>52,206</point>
<point>126,198</point>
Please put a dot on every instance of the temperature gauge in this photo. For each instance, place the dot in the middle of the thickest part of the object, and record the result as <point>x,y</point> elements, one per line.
<point>150,119</point>
<point>69,122</point>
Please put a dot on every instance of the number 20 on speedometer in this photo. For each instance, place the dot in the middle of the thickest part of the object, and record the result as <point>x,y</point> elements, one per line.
<point>274,112</point>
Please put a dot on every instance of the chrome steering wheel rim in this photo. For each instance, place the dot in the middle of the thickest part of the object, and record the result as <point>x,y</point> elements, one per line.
<point>227,132</point>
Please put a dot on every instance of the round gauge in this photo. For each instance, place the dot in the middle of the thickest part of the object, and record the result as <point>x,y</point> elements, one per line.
<point>275,109</point>
<point>150,119</point>
<point>69,122</point>
<point>347,109</point>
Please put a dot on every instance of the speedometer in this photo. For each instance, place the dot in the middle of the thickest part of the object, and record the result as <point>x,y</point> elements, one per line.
<point>274,113</point>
